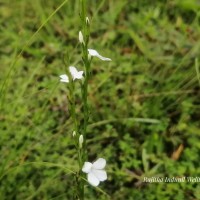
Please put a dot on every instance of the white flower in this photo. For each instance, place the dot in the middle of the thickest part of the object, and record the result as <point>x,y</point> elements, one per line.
<point>93,52</point>
<point>64,78</point>
<point>80,141</point>
<point>75,73</point>
<point>95,172</point>
<point>81,40</point>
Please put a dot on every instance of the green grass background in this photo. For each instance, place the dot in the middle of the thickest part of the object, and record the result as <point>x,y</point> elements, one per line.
<point>145,103</point>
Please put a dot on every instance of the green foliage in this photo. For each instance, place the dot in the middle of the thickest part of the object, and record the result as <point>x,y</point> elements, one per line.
<point>153,75</point>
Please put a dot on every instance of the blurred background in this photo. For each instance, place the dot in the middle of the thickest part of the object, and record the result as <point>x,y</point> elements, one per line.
<point>145,106</point>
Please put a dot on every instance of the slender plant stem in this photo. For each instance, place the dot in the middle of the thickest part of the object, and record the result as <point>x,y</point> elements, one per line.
<point>86,62</point>
<point>82,153</point>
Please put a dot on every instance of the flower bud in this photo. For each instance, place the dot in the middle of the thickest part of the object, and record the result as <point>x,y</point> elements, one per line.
<point>74,133</point>
<point>80,141</point>
<point>87,21</point>
<point>81,40</point>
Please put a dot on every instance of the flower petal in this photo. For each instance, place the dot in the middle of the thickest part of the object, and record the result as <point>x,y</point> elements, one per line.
<point>87,167</point>
<point>93,52</point>
<point>73,70</point>
<point>99,164</point>
<point>92,179</point>
<point>64,78</point>
<point>100,174</point>
<point>104,58</point>
<point>75,73</point>
<point>79,75</point>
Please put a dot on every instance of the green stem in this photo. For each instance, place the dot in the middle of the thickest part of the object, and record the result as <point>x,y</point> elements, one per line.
<point>73,111</point>
<point>83,151</point>
<point>75,138</point>
<point>86,62</point>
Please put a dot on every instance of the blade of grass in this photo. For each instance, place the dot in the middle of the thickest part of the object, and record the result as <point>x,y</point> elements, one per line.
<point>3,87</point>
<point>142,120</point>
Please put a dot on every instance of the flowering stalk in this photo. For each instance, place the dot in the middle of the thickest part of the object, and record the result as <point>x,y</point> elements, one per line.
<point>95,171</point>
<point>84,39</point>
<point>86,63</point>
